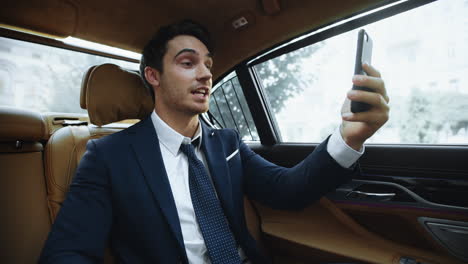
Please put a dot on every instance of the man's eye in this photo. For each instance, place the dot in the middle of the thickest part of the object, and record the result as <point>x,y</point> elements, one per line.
<point>187,63</point>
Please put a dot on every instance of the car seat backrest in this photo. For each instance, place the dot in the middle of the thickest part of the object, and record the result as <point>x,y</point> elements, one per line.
<point>63,153</point>
<point>25,220</point>
<point>110,94</point>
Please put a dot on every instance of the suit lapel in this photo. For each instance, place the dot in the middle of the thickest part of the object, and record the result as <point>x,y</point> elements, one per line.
<point>145,144</point>
<point>216,159</point>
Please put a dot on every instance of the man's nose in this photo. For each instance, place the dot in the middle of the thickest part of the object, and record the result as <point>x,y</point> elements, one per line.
<point>204,73</point>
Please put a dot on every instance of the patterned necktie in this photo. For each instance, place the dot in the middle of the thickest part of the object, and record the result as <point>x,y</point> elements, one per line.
<point>219,239</point>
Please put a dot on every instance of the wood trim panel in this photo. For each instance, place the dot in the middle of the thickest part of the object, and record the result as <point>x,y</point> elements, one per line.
<point>325,227</point>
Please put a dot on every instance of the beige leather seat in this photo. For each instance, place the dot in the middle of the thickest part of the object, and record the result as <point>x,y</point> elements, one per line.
<point>110,94</point>
<point>25,220</point>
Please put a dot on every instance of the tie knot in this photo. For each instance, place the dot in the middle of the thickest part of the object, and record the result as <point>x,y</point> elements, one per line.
<point>196,142</point>
<point>188,150</point>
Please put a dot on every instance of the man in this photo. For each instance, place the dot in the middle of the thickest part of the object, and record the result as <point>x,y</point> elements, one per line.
<point>170,189</point>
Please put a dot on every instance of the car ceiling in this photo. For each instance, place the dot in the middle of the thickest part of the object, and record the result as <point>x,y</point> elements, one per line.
<point>129,24</point>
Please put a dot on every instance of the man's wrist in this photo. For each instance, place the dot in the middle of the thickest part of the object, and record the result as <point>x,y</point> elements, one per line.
<point>352,143</point>
<point>341,152</point>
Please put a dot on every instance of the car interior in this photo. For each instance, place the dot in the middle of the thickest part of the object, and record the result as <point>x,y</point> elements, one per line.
<point>409,204</point>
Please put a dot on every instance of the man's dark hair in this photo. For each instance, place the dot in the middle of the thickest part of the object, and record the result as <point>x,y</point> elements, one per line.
<point>154,50</point>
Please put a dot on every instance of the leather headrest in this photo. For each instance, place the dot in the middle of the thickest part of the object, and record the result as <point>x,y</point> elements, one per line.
<point>112,94</point>
<point>20,124</point>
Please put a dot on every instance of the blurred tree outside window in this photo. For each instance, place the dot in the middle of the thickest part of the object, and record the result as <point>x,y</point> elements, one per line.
<point>424,63</point>
<point>43,78</point>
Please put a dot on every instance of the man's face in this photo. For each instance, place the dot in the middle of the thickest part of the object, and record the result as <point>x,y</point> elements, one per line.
<point>185,84</point>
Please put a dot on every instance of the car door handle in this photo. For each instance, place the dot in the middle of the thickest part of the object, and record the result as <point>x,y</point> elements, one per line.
<point>458,231</point>
<point>362,190</point>
<point>371,196</point>
<point>450,228</point>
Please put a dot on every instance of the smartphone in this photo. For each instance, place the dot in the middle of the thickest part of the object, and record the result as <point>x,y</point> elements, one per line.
<point>363,54</point>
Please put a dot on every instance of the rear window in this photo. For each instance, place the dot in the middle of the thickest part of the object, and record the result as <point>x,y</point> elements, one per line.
<point>229,109</point>
<point>44,78</point>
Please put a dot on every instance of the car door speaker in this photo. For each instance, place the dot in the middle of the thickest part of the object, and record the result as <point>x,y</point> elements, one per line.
<point>453,235</point>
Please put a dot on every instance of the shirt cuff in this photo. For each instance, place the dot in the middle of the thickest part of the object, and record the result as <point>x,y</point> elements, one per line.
<point>341,152</point>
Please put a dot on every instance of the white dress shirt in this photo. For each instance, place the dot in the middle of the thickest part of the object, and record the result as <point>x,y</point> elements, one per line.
<point>176,164</point>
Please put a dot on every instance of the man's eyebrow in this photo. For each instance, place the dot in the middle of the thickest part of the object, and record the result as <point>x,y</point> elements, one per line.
<point>186,50</point>
<point>192,51</point>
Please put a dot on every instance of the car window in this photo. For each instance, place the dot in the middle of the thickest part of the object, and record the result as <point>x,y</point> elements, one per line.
<point>228,108</point>
<point>424,61</point>
<point>45,78</point>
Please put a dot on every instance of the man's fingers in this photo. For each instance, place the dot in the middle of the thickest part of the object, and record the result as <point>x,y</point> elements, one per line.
<point>374,99</point>
<point>375,83</point>
<point>370,117</point>
<point>371,71</point>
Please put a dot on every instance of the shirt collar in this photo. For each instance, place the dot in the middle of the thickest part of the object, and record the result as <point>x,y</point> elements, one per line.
<point>170,138</point>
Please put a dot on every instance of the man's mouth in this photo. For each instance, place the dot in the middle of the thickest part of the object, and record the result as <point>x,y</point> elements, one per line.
<point>201,91</point>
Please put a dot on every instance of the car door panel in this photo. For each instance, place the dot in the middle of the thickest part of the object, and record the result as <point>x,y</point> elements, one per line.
<point>383,216</point>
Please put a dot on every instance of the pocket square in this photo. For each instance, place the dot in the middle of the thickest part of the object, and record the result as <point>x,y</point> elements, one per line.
<point>232,155</point>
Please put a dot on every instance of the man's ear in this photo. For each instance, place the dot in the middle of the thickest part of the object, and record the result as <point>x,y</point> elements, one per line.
<point>152,76</point>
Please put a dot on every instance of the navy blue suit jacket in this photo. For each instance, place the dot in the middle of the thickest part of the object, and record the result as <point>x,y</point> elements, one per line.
<point>121,195</point>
